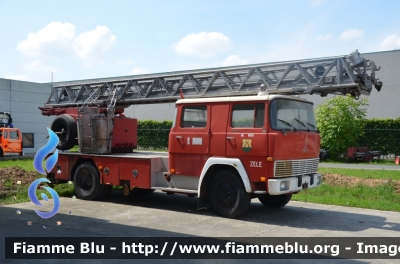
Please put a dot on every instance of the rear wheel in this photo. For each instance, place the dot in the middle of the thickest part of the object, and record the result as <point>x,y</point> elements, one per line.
<point>66,129</point>
<point>87,182</point>
<point>275,201</point>
<point>228,195</point>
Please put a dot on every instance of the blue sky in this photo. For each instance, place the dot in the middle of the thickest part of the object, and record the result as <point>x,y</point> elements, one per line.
<point>92,39</point>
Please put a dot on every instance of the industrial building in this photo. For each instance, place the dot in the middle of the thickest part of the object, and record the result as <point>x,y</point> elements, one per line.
<point>21,99</point>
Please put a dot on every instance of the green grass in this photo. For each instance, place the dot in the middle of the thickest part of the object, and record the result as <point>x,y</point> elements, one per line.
<point>26,164</point>
<point>19,193</point>
<point>382,197</point>
<point>364,173</point>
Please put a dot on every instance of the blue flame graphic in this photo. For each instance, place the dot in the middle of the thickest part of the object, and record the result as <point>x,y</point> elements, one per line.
<point>44,151</point>
<point>32,196</point>
<point>50,163</point>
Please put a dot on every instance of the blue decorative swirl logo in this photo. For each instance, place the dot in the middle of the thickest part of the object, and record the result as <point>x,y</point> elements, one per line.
<point>44,151</point>
<point>50,163</point>
<point>34,199</point>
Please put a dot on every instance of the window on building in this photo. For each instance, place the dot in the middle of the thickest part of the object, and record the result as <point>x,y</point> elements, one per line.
<point>194,116</point>
<point>28,140</point>
<point>248,115</point>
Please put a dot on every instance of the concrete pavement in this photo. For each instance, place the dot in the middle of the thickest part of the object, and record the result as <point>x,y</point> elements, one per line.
<point>161,215</point>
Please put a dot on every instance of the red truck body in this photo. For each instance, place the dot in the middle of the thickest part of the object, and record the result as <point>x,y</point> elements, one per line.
<point>253,143</point>
<point>226,145</point>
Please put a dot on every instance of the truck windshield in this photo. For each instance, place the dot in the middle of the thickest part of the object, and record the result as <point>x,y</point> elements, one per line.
<point>290,110</point>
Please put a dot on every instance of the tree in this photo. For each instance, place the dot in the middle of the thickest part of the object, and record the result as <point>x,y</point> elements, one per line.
<point>341,121</point>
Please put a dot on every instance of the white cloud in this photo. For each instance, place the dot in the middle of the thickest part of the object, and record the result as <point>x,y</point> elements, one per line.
<point>324,37</point>
<point>54,40</point>
<point>318,2</point>
<point>58,40</point>
<point>232,60</point>
<point>19,77</point>
<point>390,42</point>
<point>92,42</point>
<point>38,66</point>
<point>350,34</point>
<point>203,44</point>
<point>139,70</point>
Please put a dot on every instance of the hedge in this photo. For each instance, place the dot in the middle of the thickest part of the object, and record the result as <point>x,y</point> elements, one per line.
<point>383,135</point>
<point>153,134</point>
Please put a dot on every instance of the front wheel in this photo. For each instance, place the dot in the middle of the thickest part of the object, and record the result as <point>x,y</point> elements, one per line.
<point>275,201</point>
<point>228,195</point>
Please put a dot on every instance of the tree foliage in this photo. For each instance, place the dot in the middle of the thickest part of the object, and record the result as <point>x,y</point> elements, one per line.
<point>341,122</point>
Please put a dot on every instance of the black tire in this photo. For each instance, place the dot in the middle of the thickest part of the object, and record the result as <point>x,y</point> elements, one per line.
<point>66,129</point>
<point>275,201</point>
<point>1,153</point>
<point>228,195</point>
<point>87,182</point>
<point>367,157</point>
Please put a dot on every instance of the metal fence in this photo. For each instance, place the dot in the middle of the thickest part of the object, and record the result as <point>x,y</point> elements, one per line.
<point>385,140</point>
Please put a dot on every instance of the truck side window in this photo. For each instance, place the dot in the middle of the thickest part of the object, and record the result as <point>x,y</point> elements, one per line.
<point>194,116</point>
<point>5,134</point>
<point>248,115</point>
<point>13,134</point>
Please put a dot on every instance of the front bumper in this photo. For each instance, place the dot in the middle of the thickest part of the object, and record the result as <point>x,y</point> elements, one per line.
<point>293,184</point>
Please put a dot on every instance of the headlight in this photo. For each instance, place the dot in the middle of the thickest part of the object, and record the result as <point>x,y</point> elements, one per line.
<point>284,185</point>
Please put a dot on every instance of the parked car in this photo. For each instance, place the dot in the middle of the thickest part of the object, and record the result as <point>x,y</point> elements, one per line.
<point>323,154</point>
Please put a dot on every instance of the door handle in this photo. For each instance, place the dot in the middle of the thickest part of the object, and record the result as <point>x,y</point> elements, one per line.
<point>179,137</point>
<point>229,138</point>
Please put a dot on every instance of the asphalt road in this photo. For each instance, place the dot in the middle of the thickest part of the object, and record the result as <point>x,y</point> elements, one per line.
<point>161,215</point>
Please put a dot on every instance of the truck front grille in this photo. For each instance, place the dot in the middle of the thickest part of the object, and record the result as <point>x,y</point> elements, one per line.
<point>287,168</point>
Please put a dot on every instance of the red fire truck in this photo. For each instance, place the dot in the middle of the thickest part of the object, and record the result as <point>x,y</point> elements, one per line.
<point>10,137</point>
<point>240,133</point>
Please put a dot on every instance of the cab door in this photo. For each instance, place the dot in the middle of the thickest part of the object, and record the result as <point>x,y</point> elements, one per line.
<point>246,137</point>
<point>190,138</point>
<point>14,141</point>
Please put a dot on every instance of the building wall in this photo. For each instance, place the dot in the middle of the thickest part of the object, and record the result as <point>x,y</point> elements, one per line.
<point>21,100</point>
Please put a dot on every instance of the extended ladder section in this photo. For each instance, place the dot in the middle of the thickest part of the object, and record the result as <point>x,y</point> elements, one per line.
<point>336,75</point>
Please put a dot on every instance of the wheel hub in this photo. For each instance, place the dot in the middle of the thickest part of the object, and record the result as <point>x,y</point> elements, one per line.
<point>227,195</point>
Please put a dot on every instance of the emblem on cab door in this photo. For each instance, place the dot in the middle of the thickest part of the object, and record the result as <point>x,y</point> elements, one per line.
<point>246,145</point>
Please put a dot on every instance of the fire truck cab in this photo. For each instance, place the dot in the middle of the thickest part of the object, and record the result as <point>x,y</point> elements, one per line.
<point>266,146</point>
<point>10,137</point>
